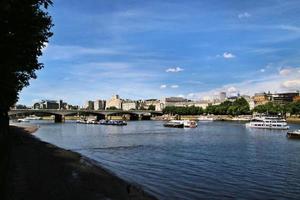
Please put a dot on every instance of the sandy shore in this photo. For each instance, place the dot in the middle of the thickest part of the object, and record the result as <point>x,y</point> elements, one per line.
<point>39,170</point>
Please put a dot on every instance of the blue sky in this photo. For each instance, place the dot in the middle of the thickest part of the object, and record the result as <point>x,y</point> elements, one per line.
<point>151,49</point>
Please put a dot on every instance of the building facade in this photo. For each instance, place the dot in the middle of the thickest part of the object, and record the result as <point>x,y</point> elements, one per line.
<point>89,105</point>
<point>99,104</point>
<point>129,105</point>
<point>114,102</point>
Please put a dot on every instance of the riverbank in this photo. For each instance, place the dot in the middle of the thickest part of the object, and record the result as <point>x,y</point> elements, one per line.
<point>39,170</point>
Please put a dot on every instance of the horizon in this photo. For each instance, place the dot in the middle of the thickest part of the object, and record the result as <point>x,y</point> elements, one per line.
<point>193,50</point>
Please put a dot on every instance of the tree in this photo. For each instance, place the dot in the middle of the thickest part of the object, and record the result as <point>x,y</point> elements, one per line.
<point>25,30</point>
<point>151,107</point>
<point>112,108</point>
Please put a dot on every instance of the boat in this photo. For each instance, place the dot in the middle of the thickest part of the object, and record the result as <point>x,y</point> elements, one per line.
<point>241,119</point>
<point>268,122</point>
<point>33,117</point>
<point>293,134</point>
<point>174,124</point>
<point>113,122</point>
<point>23,120</point>
<point>181,124</point>
<point>205,119</point>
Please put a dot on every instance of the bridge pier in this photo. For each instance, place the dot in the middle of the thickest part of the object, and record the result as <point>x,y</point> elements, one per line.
<point>59,118</point>
<point>140,117</point>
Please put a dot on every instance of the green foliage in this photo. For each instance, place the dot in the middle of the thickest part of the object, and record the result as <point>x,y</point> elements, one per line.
<point>271,108</point>
<point>192,110</point>
<point>112,108</point>
<point>239,107</point>
<point>25,29</point>
<point>151,107</point>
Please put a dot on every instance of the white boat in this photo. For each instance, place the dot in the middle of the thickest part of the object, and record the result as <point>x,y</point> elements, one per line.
<point>23,120</point>
<point>33,117</point>
<point>293,134</point>
<point>268,122</point>
<point>205,118</point>
<point>181,124</point>
<point>240,119</point>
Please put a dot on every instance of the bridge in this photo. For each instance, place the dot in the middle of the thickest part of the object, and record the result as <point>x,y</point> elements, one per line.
<point>101,114</point>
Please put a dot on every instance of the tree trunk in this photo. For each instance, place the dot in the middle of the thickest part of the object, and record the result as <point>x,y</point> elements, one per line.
<point>4,125</point>
<point>4,150</point>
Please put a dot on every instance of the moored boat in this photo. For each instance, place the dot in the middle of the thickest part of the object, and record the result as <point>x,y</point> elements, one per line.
<point>113,122</point>
<point>33,117</point>
<point>181,124</point>
<point>23,120</point>
<point>293,134</point>
<point>204,118</point>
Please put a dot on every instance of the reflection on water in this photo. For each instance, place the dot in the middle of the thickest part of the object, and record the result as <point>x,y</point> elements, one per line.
<point>216,160</point>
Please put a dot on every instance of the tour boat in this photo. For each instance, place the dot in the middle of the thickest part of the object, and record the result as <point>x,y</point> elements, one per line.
<point>181,124</point>
<point>268,122</point>
<point>293,134</point>
<point>113,122</point>
<point>205,119</point>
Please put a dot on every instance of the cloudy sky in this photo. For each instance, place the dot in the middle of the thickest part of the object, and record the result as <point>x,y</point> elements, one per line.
<point>150,49</point>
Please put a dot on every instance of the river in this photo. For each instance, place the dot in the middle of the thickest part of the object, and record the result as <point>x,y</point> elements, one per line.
<point>216,160</point>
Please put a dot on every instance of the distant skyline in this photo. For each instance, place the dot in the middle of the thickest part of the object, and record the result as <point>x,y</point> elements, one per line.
<point>152,49</point>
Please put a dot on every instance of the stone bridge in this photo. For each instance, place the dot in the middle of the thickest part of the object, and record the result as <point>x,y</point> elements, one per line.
<point>101,114</point>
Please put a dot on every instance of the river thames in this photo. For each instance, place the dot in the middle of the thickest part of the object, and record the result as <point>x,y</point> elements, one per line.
<point>216,160</point>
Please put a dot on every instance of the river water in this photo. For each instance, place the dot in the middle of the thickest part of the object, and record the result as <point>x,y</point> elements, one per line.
<point>216,160</point>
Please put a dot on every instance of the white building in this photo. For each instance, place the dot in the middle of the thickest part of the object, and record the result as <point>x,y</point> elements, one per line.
<point>129,105</point>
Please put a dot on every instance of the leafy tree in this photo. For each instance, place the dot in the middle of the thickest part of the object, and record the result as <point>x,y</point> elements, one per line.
<point>151,107</point>
<point>112,108</point>
<point>25,29</point>
<point>192,110</point>
<point>239,107</point>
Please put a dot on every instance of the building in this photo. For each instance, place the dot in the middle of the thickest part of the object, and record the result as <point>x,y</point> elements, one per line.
<point>284,98</point>
<point>114,102</point>
<point>222,96</point>
<point>48,104</point>
<point>89,105</point>
<point>173,101</point>
<point>129,105</point>
<point>99,104</point>
<point>153,102</point>
<point>261,98</point>
<point>296,98</point>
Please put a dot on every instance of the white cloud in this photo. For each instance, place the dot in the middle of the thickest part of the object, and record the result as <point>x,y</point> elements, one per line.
<point>175,69</point>
<point>174,86</point>
<point>291,84</point>
<point>285,71</point>
<point>228,55</point>
<point>163,86</point>
<point>244,15</point>
<point>262,70</point>
<point>232,89</point>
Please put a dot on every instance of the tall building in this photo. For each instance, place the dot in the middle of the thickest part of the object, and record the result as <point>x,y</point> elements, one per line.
<point>89,105</point>
<point>99,104</point>
<point>115,102</point>
<point>222,96</point>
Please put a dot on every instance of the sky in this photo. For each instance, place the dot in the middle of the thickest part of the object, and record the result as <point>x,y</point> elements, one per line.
<point>153,49</point>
